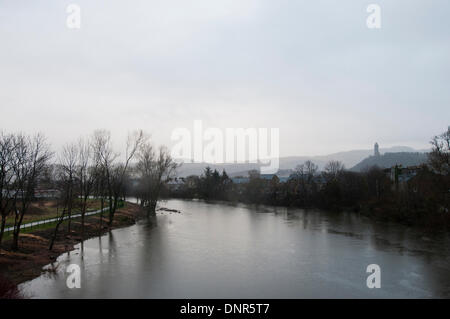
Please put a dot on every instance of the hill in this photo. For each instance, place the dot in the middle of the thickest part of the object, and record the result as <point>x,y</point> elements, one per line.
<point>348,158</point>
<point>390,159</point>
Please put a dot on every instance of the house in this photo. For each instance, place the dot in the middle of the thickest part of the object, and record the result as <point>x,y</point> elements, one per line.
<point>268,177</point>
<point>175,184</point>
<point>399,174</point>
<point>47,193</point>
<point>240,180</point>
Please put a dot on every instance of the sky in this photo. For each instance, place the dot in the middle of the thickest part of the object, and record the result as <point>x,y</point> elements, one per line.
<point>313,69</point>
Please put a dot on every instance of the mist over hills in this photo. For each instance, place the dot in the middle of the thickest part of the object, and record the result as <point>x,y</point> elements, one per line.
<point>350,159</point>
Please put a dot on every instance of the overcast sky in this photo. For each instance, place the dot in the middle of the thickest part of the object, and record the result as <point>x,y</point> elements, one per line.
<point>311,68</point>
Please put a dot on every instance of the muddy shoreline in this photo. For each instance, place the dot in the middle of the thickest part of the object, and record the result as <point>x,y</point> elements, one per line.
<point>27,263</point>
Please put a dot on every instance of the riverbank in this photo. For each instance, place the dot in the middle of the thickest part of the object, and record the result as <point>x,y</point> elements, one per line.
<point>27,263</point>
<point>219,250</point>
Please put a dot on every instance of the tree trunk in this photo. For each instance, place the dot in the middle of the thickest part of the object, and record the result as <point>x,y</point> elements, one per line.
<point>60,220</point>
<point>2,230</point>
<point>82,220</point>
<point>69,212</point>
<point>83,214</point>
<point>101,213</point>
<point>16,231</point>
<point>111,211</point>
<point>112,204</point>
<point>15,243</point>
<point>151,207</point>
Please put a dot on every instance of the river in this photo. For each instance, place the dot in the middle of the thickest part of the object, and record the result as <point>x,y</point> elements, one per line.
<point>220,250</point>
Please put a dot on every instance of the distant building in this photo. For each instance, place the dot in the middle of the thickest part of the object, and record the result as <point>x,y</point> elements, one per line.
<point>38,193</point>
<point>47,193</point>
<point>281,179</point>
<point>376,151</point>
<point>269,177</point>
<point>401,175</point>
<point>175,184</point>
<point>240,180</point>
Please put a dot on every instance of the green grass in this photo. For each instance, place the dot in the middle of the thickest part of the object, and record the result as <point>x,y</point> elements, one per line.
<point>50,212</point>
<point>8,235</point>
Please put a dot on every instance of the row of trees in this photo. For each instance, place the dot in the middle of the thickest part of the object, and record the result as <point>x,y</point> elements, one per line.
<point>82,170</point>
<point>306,187</point>
<point>90,168</point>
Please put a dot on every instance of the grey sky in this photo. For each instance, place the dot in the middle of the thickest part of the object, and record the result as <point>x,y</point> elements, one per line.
<point>311,68</point>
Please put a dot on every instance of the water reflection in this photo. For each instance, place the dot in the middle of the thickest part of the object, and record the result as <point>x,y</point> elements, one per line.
<point>218,250</point>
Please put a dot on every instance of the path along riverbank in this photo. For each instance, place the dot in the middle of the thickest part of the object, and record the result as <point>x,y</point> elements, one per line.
<point>33,254</point>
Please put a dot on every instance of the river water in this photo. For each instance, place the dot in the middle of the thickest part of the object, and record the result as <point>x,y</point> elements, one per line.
<point>218,250</point>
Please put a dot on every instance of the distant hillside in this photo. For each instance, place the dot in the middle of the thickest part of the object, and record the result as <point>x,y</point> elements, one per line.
<point>348,158</point>
<point>390,159</point>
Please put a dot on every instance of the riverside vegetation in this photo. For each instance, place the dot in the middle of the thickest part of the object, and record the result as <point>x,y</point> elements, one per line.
<point>85,173</point>
<point>422,200</point>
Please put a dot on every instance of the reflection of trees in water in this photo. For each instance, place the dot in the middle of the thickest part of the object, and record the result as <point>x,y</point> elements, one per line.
<point>99,285</point>
<point>112,247</point>
<point>100,249</point>
<point>152,257</point>
<point>82,250</point>
<point>52,271</point>
<point>152,221</point>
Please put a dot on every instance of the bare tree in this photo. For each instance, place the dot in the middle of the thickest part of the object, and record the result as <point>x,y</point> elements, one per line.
<point>300,180</point>
<point>100,189</point>
<point>7,190</point>
<point>66,180</point>
<point>115,172</point>
<point>145,169</point>
<point>60,220</point>
<point>105,157</point>
<point>306,171</point>
<point>310,170</point>
<point>155,169</point>
<point>439,158</point>
<point>31,155</point>
<point>333,169</point>
<point>86,175</point>
<point>304,177</point>
<point>67,175</point>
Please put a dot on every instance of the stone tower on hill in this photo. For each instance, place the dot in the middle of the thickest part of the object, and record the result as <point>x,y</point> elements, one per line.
<point>376,151</point>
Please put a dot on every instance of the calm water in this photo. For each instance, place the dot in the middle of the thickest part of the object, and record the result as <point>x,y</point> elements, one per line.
<point>225,251</point>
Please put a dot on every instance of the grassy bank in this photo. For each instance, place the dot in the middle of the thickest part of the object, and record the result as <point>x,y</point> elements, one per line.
<point>41,210</point>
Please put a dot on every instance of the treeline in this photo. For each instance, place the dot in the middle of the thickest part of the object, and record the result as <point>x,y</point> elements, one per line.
<point>88,168</point>
<point>423,199</point>
<point>306,187</point>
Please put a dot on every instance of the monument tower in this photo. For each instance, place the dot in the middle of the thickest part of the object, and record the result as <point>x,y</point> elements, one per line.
<point>376,150</point>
